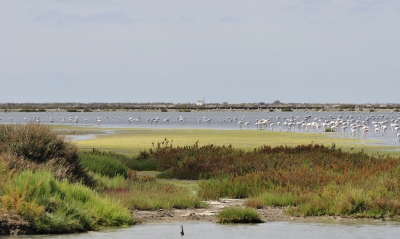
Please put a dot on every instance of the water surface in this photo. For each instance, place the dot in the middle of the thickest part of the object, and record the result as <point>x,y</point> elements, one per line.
<point>274,230</point>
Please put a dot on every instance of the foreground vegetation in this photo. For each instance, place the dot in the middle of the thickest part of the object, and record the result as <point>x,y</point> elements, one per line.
<point>42,181</point>
<point>56,188</point>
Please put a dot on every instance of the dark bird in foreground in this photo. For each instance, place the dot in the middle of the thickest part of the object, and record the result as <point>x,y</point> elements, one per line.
<point>182,233</point>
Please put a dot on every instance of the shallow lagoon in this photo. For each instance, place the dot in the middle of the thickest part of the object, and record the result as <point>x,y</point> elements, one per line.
<point>202,119</point>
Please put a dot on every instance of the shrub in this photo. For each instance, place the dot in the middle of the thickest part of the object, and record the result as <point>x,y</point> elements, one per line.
<point>37,144</point>
<point>238,215</point>
<point>59,207</point>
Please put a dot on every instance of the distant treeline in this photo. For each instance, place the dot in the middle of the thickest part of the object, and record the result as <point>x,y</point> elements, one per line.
<point>187,107</point>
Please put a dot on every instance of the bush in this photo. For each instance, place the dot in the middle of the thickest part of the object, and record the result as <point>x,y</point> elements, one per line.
<point>238,215</point>
<point>37,144</point>
<point>59,207</point>
<point>140,164</point>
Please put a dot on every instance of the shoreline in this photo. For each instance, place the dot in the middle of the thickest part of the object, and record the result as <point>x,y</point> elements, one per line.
<point>15,225</point>
<point>267,214</point>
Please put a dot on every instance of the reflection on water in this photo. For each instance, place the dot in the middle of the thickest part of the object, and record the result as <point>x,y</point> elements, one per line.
<point>275,230</point>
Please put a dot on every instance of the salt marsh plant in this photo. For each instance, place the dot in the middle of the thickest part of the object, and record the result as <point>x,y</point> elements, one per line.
<point>106,164</point>
<point>152,195</point>
<point>238,215</point>
<point>37,144</point>
<point>113,163</point>
<point>55,206</point>
<point>312,179</point>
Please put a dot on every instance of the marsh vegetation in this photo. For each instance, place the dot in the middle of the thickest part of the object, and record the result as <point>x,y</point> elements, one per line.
<point>57,186</point>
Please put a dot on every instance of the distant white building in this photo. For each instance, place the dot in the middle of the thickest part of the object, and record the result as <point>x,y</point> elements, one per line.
<point>200,102</point>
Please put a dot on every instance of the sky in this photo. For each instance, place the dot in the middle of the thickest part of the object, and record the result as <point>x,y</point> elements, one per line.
<point>179,51</point>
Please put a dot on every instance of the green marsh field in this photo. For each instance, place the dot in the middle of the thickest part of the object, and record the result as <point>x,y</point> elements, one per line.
<point>132,141</point>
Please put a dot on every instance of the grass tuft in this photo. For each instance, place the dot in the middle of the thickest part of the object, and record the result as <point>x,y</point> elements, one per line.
<point>238,215</point>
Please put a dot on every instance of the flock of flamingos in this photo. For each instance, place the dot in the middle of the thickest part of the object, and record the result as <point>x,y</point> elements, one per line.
<point>350,125</point>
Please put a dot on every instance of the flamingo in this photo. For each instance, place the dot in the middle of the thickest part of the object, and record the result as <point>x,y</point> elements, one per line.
<point>240,123</point>
<point>272,126</point>
<point>376,130</point>
<point>365,130</point>
<point>383,127</point>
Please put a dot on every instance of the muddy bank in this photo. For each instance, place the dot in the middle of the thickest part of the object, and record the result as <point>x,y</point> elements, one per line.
<point>11,224</point>
<point>15,225</point>
<point>267,214</point>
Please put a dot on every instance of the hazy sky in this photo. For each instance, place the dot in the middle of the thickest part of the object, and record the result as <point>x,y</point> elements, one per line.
<point>235,51</point>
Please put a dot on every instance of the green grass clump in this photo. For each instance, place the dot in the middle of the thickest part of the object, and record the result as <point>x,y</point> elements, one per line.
<point>233,186</point>
<point>55,206</point>
<point>106,182</point>
<point>154,195</point>
<point>104,164</point>
<point>280,199</point>
<point>116,161</point>
<point>238,215</point>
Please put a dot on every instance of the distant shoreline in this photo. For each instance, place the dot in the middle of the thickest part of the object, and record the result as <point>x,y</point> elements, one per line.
<point>191,107</point>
